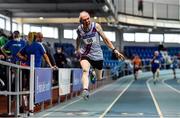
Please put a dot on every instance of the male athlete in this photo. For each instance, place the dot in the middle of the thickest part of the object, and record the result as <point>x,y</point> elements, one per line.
<point>89,49</point>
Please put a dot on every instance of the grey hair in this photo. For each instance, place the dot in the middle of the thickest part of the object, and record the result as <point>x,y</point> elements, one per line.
<point>83,13</point>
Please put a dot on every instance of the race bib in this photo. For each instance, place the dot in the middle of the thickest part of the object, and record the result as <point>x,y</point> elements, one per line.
<point>156,61</point>
<point>90,40</point>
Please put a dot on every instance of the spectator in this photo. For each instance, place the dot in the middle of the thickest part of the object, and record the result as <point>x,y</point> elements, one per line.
<point>26,74</point>
<point>60,58</point>
<point>13,46</point>
<point>140,7</point>
<point>10,50</point>
<point>34,48</point>
<point>40,39</point>
<point>3,38</point>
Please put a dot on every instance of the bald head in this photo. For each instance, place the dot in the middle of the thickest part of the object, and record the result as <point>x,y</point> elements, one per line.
<point>83,13</point>
<point>156,53</point>
<point>39,37</point>
<point>84,18</point>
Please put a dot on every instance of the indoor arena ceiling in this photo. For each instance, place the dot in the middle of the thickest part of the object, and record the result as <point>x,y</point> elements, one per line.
<point>53,8</point>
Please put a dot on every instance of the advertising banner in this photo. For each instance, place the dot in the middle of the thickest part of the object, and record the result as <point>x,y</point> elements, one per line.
<point>42,84</point>
<point>76,79</point>
<point>64,81</point>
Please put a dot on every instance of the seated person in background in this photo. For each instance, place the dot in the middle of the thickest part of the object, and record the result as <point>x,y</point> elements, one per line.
<point>60,58</point>
<point>137,65</point>
<point>155,66</point>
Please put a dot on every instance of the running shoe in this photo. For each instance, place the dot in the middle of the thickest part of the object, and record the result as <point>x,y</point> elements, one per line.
<point>92,77</point>
<point>85,94</point>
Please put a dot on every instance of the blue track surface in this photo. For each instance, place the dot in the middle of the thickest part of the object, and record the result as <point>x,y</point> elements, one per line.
<point>126,98</point>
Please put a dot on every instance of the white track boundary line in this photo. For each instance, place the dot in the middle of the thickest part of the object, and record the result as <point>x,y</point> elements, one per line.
<point>170,86</point>
<point>82,98</point>
<point>154,99</point>
<point>107,110</point>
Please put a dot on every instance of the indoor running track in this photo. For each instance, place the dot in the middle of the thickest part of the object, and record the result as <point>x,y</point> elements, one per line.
<point>125,98</point>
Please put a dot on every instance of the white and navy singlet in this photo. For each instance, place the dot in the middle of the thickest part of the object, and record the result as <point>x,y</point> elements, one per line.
<point>90,42</point>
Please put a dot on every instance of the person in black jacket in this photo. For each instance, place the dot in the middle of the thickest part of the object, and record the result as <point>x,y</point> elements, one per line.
<point>60,58</point>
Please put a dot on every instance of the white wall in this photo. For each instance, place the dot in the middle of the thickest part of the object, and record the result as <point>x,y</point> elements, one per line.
<point>165,8</point>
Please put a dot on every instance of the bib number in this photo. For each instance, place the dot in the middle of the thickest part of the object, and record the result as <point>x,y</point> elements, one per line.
<point>90,40</point>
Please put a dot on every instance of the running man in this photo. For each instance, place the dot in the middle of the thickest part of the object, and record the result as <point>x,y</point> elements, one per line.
<point>155,66</point>
<point>89,49</point>
<point>174,65</point>
<point>136,65</point>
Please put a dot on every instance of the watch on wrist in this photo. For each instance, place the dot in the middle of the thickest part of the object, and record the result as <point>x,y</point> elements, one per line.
<point>113,49</point>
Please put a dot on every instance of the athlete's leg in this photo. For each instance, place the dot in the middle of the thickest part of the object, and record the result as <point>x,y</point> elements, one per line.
<point>136,74</point>
<point>157,74</point>
<point>154,76</point>
<point>98,74</point>
<point>174,73</point>
<point>85,67</point>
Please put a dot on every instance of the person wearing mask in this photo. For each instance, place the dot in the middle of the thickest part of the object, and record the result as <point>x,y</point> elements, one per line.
<point>60,58</point>
<point>13,46</point>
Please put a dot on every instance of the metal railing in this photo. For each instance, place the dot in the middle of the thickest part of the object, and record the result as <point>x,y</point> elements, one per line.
<point>16,96</point>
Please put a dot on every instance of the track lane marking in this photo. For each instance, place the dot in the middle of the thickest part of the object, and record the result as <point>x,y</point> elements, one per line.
<point>45,115</point>
<point>154,99</point>
<point>176,90</point>
<point>107,110</point>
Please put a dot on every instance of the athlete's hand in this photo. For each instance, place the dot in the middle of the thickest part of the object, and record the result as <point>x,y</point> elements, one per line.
<point>119,55</point>
<point>78,54</point>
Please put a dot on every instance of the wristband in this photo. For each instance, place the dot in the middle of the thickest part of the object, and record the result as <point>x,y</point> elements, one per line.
<point>113,49</point>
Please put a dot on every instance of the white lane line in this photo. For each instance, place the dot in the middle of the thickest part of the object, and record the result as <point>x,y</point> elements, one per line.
<point>170,86</point>
<point>107,110</point>
<point>154,99</point>
<point>61,108</point>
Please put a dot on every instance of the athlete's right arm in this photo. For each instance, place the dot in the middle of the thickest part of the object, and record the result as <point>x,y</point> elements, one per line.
<point>77,44</point>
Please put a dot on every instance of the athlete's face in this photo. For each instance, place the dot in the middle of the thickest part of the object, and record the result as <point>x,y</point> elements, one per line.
<point>86,20</point>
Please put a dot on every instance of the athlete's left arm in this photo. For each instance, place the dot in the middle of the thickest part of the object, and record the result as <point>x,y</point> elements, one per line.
<point>108,42</point>
<point>105,39</point>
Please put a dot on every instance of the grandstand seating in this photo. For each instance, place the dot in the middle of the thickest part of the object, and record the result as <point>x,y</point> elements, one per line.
<point>147,52</point>
<point>108,62</point>
<point>68,48</point>
<point>142,51</point>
